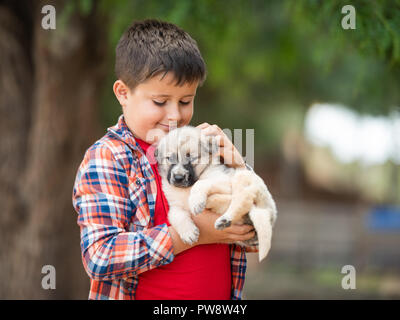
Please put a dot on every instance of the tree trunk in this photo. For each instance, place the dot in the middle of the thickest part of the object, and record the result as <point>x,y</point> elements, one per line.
<point>40,222</point>
<point>16,75</point>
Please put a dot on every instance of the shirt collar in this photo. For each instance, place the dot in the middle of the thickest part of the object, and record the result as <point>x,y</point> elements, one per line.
<point>122,132</point>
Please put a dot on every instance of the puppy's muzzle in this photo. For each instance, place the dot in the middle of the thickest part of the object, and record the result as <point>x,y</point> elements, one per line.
<point>178,178</point>
<point>182,178</point>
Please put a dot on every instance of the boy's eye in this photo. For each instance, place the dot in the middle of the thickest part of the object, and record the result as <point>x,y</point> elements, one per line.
<point>159,103</point>
<point>163,103</point>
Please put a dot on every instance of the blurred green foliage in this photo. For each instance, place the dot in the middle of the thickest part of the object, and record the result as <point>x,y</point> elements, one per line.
<point>268,61</point>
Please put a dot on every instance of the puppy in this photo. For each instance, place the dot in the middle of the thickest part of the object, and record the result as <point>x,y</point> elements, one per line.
<point>193,178</point>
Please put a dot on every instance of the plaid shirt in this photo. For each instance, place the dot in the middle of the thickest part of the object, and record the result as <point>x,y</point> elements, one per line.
<point>114,195</point>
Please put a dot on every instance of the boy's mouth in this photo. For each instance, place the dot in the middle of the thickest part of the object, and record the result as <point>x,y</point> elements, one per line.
<point>169,128</point>
<point>164,126</point>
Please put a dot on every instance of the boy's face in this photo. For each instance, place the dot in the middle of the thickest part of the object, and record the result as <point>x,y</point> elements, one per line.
<point>156,106</point>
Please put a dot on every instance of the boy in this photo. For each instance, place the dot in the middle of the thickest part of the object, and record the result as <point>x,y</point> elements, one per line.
<point>129,249</point>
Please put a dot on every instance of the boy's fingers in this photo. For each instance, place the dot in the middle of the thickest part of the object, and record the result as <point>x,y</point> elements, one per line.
<point>213,129</point>
<point>220,141</point>
<point>208,129</point>
<point>227,149</point>
<point>243,237</point>
<point>221,138</point>
<point>240,229</point>
<point>203,125</point>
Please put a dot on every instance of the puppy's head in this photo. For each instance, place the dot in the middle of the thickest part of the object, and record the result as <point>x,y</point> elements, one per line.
<point>183,154</point>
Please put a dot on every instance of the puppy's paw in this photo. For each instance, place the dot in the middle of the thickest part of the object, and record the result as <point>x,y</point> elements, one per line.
<point>222,223</point>
<point>197,203</point>
<point>190,236</point>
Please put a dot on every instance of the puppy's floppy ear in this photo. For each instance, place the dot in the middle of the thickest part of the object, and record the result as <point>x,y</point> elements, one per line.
<point>158,153</point>
<point>209,144</point>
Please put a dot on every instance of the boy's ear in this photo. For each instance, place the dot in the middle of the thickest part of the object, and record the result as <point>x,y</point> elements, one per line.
<point>121,91</point>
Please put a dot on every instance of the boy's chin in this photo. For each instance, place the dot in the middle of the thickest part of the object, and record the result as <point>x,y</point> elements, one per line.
<point>155,135</point>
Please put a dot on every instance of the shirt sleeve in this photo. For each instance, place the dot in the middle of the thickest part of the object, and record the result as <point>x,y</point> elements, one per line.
<point>101,197</point>
<point>251,248</point>
<point>238,270</point>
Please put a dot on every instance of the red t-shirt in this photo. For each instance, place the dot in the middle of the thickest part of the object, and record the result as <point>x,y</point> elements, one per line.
<point>199,273</point>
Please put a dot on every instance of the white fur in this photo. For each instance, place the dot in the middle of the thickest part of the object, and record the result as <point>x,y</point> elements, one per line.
<point>233,193</point>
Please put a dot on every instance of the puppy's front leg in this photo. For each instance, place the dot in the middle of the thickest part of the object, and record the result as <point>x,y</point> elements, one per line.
<point>181,220</point>
<point>202,189</point>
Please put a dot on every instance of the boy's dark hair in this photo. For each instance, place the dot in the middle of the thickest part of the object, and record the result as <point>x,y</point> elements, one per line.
<point>150,47</point>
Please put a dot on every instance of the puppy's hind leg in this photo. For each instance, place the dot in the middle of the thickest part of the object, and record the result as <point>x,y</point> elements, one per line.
<point>219,202</point>
<point>241,203</point>
<point>261,219</point>
<point>243,195</point>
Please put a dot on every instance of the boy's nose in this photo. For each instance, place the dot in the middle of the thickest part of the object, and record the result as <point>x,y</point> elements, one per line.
<point>173,114</point>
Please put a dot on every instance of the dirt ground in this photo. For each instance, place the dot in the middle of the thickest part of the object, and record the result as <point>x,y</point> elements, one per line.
<point>311,244</point>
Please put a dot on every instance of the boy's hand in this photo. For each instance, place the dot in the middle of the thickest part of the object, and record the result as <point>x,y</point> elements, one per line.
<point>208,234</point>
<point>227,150</point>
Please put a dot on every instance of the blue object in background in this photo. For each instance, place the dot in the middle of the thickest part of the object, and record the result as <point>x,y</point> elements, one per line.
<point>384,218</point>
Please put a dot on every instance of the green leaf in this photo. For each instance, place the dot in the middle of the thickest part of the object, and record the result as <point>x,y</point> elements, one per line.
<point>85,6</point>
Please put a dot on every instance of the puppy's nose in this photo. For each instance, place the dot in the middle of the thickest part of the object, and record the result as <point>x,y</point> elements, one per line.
<point>179,177</point>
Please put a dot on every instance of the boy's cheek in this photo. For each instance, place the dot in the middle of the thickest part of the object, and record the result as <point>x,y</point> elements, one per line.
<point>155,135</point>
<point>188,116</point>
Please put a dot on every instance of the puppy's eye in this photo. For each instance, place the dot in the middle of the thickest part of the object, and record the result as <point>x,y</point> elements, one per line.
<point>191,158</point>
<point>171,158</point>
